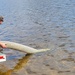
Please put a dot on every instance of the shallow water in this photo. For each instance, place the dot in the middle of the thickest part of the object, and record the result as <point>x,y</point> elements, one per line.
<point>39,24</point>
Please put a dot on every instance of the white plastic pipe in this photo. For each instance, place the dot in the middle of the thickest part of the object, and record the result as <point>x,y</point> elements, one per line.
<point>23,48</point>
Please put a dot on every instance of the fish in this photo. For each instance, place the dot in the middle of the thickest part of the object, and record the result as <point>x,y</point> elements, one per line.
<point>22,48</point>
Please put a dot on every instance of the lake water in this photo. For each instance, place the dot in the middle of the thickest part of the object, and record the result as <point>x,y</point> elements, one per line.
<point>39,24</point>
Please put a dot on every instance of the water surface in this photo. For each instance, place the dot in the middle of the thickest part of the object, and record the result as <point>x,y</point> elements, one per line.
<point>39,24</point>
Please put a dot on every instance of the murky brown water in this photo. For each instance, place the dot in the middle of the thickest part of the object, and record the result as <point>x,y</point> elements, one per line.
<point>39,24</point>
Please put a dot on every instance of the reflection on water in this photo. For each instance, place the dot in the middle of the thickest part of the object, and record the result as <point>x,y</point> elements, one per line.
<point>21,63</point>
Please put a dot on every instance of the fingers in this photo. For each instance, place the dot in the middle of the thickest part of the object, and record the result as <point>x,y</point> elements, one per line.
<point>3,45</point>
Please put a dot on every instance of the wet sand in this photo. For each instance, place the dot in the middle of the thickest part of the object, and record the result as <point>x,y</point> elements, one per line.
<point>39,24</point>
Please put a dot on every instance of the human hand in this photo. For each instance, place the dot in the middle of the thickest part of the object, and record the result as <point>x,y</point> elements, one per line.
<point>2,45</point>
